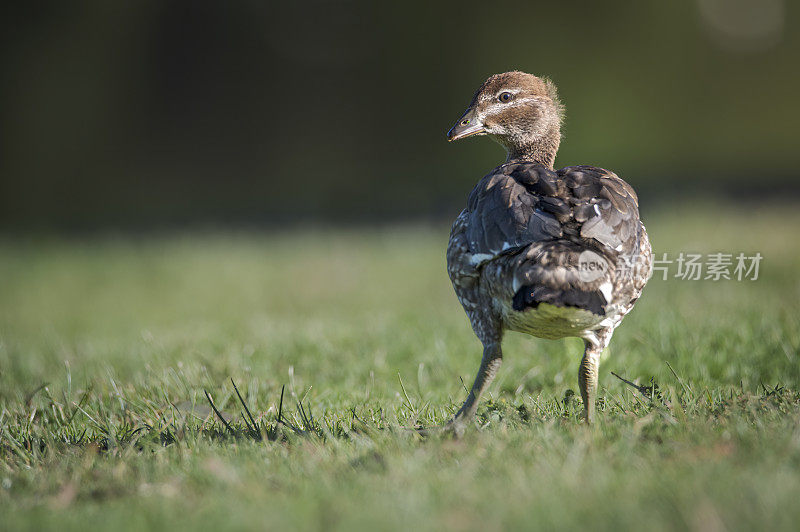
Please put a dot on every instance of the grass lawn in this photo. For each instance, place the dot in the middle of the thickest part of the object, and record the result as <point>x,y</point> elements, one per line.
<point>107,345</point>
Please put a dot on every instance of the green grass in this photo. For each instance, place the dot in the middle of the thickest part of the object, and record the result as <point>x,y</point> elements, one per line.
<point>125,334</point>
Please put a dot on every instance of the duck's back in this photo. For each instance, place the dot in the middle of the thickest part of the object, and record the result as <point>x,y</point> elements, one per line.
<point>519,204</point>
<point>531,235</point>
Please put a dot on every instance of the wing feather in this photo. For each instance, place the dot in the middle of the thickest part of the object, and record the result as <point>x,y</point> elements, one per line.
<point>519,204</point>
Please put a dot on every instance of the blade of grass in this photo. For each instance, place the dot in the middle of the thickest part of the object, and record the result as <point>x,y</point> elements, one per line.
<point>247,410</point>
<point>218,413</point>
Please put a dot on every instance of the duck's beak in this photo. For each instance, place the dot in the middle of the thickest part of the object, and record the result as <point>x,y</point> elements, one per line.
<point>467,126</point>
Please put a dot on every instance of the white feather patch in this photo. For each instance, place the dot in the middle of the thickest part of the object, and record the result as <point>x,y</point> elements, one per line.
<point>479,258</point>
<point>606,289</point>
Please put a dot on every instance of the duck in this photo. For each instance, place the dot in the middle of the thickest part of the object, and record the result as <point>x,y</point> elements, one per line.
<point>545,252</point>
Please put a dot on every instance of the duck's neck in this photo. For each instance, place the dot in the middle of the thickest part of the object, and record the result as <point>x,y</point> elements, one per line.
<point>541,149</point>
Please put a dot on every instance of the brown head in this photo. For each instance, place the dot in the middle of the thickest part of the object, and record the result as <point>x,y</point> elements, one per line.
<point>520,111</point>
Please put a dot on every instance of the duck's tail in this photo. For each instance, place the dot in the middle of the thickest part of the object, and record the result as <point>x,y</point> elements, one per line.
<point>561,273</point>
<point>530,296</point>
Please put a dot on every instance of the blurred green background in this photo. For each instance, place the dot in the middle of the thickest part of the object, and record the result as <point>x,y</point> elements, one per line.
<point>150,114</point>
<point>141,141</point>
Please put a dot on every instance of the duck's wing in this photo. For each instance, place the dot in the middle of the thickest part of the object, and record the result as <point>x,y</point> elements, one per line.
<point>513,206</point>
<point>537,224</point>
<point>604,208</point>
<point>519,204</point>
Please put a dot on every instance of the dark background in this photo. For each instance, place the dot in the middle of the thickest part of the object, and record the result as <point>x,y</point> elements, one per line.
<point>180,113</point>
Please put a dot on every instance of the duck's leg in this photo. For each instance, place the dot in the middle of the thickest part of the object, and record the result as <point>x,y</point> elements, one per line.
<point>492,358</point>
<point>587,373</point>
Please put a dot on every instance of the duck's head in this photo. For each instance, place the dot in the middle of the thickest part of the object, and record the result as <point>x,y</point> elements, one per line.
<point>520,111</point>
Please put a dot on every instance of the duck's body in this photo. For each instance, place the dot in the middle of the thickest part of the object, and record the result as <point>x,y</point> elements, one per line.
<point>543,252</point>
<point>549,253</point>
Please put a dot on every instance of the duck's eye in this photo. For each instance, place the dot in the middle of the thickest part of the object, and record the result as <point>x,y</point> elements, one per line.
<point>505,97</point>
